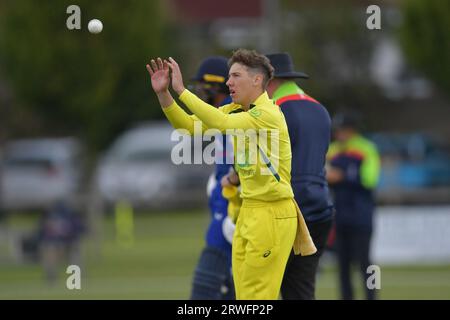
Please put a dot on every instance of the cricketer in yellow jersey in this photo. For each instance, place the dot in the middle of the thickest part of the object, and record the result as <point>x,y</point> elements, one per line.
<point>270,222</point>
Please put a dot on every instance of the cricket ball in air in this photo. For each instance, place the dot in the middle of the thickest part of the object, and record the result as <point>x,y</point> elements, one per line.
<point>95,26</point>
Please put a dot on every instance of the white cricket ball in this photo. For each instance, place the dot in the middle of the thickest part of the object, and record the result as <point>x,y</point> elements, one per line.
<point>95,26</point>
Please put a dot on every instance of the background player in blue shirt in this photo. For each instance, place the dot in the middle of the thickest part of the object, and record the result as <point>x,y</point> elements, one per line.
<point>212,277</point>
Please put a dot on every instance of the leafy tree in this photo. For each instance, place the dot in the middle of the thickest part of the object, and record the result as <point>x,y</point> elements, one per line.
<point>74,82</point>
<point>425,38</point>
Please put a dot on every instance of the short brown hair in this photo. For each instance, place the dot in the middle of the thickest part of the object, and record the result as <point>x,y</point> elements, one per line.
<point>253,60</point>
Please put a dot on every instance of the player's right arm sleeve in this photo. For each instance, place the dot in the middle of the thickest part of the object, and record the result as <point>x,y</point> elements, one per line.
<point>215,118</point>
<point>180,119</point>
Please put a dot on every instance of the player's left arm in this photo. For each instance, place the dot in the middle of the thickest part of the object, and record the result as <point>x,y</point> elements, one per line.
<point>370,168</point>
<point>216,118</point>
<point>211,116</point>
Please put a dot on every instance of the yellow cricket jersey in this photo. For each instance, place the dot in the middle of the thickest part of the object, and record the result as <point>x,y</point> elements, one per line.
<point>257,181</point>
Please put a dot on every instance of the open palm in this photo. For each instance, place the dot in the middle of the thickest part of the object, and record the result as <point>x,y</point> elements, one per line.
<point>159,74</point>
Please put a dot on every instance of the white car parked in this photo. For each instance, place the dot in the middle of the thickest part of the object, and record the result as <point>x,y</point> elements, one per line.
<point>36,172</point>
<point>138,168</point>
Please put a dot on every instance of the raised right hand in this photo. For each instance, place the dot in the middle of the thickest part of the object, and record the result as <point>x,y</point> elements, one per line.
<point>159,74</point>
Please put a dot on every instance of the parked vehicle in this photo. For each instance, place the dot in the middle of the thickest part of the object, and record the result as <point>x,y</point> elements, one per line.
<point>37,172</point>
<point>412,161</point>
<point>138,168</point>
<point>415,169</point>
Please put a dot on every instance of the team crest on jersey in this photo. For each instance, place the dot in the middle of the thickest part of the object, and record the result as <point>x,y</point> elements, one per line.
<point>255,113</point>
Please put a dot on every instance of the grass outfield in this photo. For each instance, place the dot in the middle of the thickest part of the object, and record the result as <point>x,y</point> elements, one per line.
<point>160,265</point>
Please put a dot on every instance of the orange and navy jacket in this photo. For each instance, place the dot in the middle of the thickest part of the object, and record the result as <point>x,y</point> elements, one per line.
<point>309,128</point>
<point>359,160</point>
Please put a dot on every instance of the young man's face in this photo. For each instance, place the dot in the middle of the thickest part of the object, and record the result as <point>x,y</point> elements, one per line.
<point>243,85</point>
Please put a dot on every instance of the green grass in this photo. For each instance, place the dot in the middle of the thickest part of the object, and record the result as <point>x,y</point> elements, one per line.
<point>160,265</point>
<point>399,282</point>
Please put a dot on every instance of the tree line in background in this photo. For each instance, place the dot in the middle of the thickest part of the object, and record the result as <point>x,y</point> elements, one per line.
<point>55,81</point>
<point>333,44</point>
<point>73,82</point>
<point>425,38</point>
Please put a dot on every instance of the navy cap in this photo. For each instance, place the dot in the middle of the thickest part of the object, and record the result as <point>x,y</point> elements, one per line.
<point>213,69</point>
<point>284,67</point>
